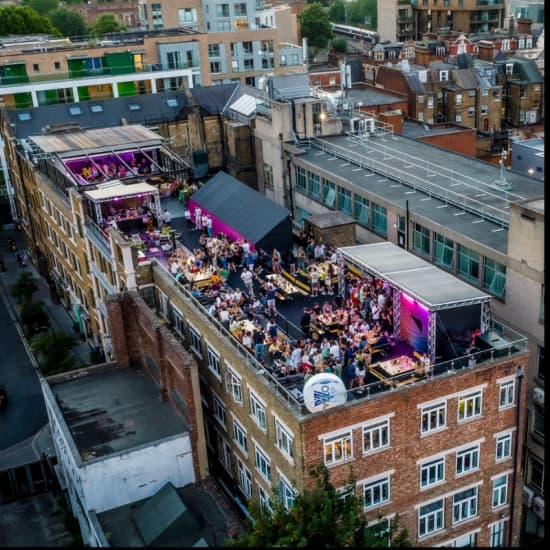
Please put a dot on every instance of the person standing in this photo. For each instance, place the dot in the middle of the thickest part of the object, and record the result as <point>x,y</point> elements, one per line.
<point>259,343</point>
<point>247,278</point>
<point>209,225</point>
<point>305,322</point>
<point>198,218</point>
<point>187,216</point>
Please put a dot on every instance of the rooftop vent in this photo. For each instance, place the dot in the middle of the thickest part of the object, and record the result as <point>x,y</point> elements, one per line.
<point>63,127</point>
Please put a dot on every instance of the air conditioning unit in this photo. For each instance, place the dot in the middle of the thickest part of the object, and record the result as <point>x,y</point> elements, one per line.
<point>369,125</point>
<point>354,125</point>
<point>538,397</point>
<point>528,496</point>
<point>538,507</point>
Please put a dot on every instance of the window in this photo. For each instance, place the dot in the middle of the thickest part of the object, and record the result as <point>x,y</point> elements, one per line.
<point>239,435</point>
<point>469,406</point>
<point>433,417</point>
<point>245,478</point>
<point>300,179</point>
<point>240,9</point>
<point>219,411</point>
<point>430,518</point>
<point>509,68</point>
<point>465,505</point>
<point>380,222</point>
<point>420,99</point>
<point>484,92</point>
<point>500,490</point>
<point>467,460</point>
<point>75,110</point>
<point>458,99</point>
<point>314,185</point>
<point>257,411</point>
<point>263,464</point>
<point>443,75</point>
<point>223,26</point>
<point>222,10</point>
<point>36,67</point>
<point>248,48</point>
<point>471,111</point>
<point>213,358</point>
<point>498,531</point>
<point>458,118</point>
<point>179,327</point>
<point>506,394</point>
<point>540,366</point>
<point>443,251</point>
<point>233,385</point>
<point>134,107</point>
<point>57,65</point>
<point>376,493</point>
<point>494,277</point>
<point>338,449</point>
<point>484,109</point>
<point>468,263</point>
<point>286,492</point>
<point>535,473</point>
<point>195,340</point>
<point>215,67</point>
<point>362,210</point>
<point>421,240</point>
<point>344,200</point>
<point>265,501</point>
<point>523,93</point>
<point>172,102</point>
<point>432,472</point>
<point>284,440</point>
<point>224,453</point>
<point>96,108</point>
<point>504,447</point>
<point>505,45</point>
<point>329,193</point>
<point>538,424</point>
<point>187,16</point>
<point>213,50</point>
<point>268,176</point>
<point>376,436</point>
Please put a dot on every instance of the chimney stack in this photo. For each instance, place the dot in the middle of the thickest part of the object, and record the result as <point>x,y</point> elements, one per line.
<point>486,50</point>
<point>524,25</point>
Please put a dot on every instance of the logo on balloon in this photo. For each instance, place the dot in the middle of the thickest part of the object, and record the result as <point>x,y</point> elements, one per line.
<point>324,390</point>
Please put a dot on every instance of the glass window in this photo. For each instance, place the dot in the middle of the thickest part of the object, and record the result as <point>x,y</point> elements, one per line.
<point>300,179</point>
<point>219,411</point>
<point>443,251</point>
<point>421,240</point>
<point>314,185</point>
<point>286,492</point>
<point>500,490</point>
<point>268,176</point>
<point>257,411</point>
<point>245,478</point>
<point>432,472</point>
<point>329,193</point>
<point>469,406</point>
<point>239,434</point>
<point>540,369</point>
<point>506,394</point>
<point>362,210</point>
<point>265,501</point>
<point>233,385</point>
<point>284,440</point>
<point>535,473</point>
<point>215,67</point>
<point>468,263</point>
<point>494,277</point>
<point>213,50</point>
<point>504,446</point>
<point>240,9</point>
<point>195,340</point>
<point>344,200</point>
<point>222,10</point>
<point>376,493</point>
<point>430,518</point>
<point>498,531</point>
<point>213,358</point>
<point>376,436</point>
<point>433,417</point>
<point>380,222</point>
<point>538,423</point>
<point>224,453</point>
<point>467,460</point>
<point>263,464</point>
<point>338,449</point>
<point>465,505</point>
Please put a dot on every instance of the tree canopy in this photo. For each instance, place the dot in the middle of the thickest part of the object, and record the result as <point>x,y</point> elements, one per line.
<point>106,23</point>
<point>337,11</point>
<point>25,286</point>
<point>24,20</point>
<point>321,517</point>
<point>54,351</point>
<point>69,23</point>
<point>362,12</point>
<point>315,25</point>
<point>42,7</point>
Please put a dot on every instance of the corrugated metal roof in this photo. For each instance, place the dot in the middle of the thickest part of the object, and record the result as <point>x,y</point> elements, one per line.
<point>245,105</point>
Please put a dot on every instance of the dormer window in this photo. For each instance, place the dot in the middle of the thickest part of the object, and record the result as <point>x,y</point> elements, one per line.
<point>509,68</point>
<point>443,75</point>
<point>505,45</point>
<point>528,42</point>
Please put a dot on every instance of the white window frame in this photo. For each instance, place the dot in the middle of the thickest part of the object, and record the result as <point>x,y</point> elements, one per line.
<point>484,92</point>
<point>233,384</point>
<point>509,68</point>
<point>503,445</point>
<point>471,453</point>
<point>345,441</point>
<point>505,46</point>
<point>435,517</point>
<point>195,340</point>
<point>224,453</point>
<point>426,417</point>
<point>219,409</point>
<point>444,75</point>
<point>458,99</point>
<point>484,109</point>
<point>287,494</point>
<point>497,531</point>
<point>179,324</point>
<point>258,411</point>
<point>500,491</point>
<point>507,394</point>
<point>284,440</point>
<point>373,434</point>
<point>164,304</point>
<point>245,478</point>
<point>264,500</point>
<point>437,467</point>
<point>467,507</point>
<point>469,401</point>
<point>377,487</point>
<point>262,462</point>
<point>213,361</point>
<point>240,436</point>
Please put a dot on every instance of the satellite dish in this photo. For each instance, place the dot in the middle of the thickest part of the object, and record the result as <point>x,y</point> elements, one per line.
<point>324,390</point>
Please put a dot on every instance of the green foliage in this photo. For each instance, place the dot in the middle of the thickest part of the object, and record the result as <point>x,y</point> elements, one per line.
<point>315,25</point>
<point>106,23</point>
<point>53,350</point>
<point>69,23</point>
<point>337,11</point>
<point>319,517</point>
<point>34,318</point>
<point>363,12</point>
<point>340,45</point>
<point>24,287</point>
<point>42,7</point>
<point>17,20</point>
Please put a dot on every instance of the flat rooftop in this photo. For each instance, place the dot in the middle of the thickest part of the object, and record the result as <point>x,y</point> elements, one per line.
<point>414,130</point>
<point>369,97</point>
<point>448,189</point>
<point>115,410</point>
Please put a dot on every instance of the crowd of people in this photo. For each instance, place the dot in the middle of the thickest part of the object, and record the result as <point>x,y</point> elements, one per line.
<point>112,168</point>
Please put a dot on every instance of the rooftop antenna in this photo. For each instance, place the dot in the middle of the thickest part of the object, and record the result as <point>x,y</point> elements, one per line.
<point>501,182</point>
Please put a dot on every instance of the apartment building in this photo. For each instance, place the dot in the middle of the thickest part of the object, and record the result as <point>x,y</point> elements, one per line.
<point>245,39</point>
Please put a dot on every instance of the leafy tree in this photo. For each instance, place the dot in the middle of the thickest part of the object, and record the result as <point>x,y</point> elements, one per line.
<point>69,23</point>
<point>24,20</point>
<point>337,11</point>
<point>42,7</point>
<point>54,351</point>
<point>34,318</point>
<point>315,25</point>
<point>340,45</point>
<point>24,287</point>
<point>106,23</point>
<point>361,12</point>
<point>320,517</point>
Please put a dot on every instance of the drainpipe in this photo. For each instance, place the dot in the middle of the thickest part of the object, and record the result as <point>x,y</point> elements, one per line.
<point>407,224</point>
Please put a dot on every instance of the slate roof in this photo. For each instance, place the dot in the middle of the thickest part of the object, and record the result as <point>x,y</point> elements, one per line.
<point>249,212</point>
<point>414,83</point>
<point>213,99</point>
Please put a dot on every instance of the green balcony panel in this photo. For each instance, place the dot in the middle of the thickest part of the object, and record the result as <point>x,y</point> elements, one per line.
<point>22,100</point>
<point>127,89</point>
<point>83,93</point>
<point>120,63</point>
